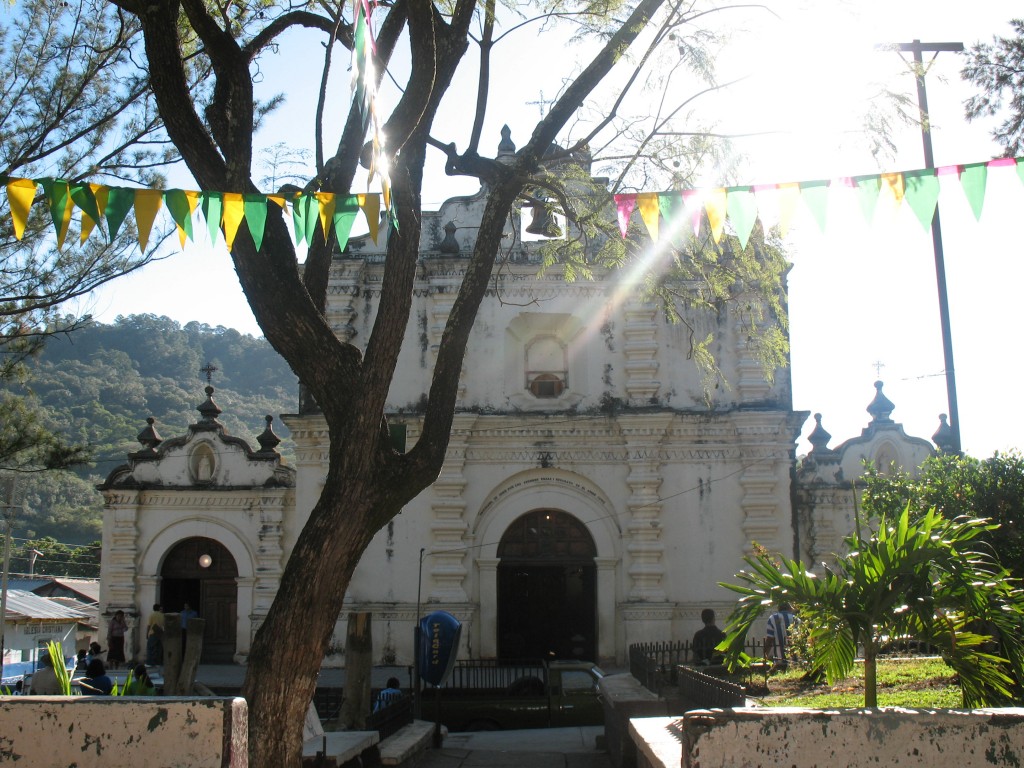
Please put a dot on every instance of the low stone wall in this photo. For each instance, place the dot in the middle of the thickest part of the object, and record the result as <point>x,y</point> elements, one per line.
<point>808,738</point>
<point>162,732</point>
<point>623,698</point>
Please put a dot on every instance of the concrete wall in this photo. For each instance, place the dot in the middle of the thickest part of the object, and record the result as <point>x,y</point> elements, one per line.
<point>805,738</point>
<point>163,732</point>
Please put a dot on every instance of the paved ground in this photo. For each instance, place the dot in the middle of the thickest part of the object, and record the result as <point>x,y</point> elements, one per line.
<point>540,748</point>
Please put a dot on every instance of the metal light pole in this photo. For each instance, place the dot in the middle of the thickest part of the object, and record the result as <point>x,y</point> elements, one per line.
<point>917,48</point>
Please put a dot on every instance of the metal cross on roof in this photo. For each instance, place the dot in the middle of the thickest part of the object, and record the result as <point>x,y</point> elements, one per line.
<point>209,369</point>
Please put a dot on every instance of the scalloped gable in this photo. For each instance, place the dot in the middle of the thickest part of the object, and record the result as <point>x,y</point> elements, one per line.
<point>206,457</point>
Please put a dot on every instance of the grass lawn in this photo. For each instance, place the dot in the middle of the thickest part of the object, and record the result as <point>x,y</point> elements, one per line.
<point>901,683</point>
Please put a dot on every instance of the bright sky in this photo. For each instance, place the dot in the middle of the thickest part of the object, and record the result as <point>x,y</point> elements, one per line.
<point>860,294</point>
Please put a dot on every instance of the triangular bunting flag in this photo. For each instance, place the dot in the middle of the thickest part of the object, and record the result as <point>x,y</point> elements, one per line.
<point>256,217</point>
<point>20,194</point>
<point>119,201</point>
<point>212,205</point>
<point>715,204</point>
<point>234,212</point>
<point>58,197</point>
<point>647,202</point>
<point>670,204</point>
<point>181,213</point>
<point>624,205</point>
<point>742,209</point>
<point>147,204</point>
<point>867,195</point>
<point>693,205</point>
<point>344,217</point>
<point>371,210</point>
<point>815,197</point>
<point>922,193</point>
<point>326,203</point>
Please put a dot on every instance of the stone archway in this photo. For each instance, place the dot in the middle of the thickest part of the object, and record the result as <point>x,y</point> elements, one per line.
<point>547,588</point>
<point>202,572</point>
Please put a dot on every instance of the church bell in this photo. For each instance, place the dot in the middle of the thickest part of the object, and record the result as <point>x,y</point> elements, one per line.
<point>543,223</point>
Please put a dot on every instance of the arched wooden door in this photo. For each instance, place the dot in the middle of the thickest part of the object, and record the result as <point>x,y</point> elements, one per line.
<point>202,573</point>
<point>547,588</point>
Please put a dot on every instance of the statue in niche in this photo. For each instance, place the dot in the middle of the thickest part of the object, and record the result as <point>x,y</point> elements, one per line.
<point>202,464</point>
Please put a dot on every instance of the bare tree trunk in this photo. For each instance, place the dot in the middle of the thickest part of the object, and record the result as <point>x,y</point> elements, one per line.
<point>172,653</point>
<point>358,664</point>
<point>190,659</point>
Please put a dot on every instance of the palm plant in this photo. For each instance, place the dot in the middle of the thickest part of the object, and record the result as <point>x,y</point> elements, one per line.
<point>929,579</point>
<point>56,651</point>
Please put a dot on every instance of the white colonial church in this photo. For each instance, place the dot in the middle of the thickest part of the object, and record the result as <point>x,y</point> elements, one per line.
<point>591,497</point>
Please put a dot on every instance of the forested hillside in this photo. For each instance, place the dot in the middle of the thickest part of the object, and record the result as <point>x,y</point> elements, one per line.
<point>99,384</point>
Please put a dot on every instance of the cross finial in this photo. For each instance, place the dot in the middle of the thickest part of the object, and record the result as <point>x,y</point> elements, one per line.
<point>209,369</point>
<point>879,365</point>
<point>542,103</point>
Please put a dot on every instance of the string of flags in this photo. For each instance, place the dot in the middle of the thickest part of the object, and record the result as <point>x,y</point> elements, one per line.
<point>743,205</point>
<point>226,211</point>
<point>221,210</point>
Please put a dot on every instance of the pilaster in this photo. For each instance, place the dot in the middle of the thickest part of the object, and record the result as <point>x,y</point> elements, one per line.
<point>643,435</point>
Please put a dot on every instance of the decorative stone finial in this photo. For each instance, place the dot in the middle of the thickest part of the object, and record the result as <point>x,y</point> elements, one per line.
<point>267,439</point>
<point>943,437</point>
<point>880,407</point>
<point>819,437</point>
<point>209,409</point>
<point>505,146</point>
<point>449,244</point>
<point>149,437</point>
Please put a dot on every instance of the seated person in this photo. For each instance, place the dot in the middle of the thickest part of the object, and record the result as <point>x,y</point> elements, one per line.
<point>96,681</point>
<point>140,684</point>
<point>44,680</point>
<point>705,640</point>
<point>388,695</point>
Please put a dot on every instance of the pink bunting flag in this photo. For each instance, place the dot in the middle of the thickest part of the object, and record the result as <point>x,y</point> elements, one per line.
<point>624,205</point>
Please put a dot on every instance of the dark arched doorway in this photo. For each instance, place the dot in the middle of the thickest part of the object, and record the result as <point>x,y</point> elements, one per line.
<point>547,588</point>
<point>202,573</point>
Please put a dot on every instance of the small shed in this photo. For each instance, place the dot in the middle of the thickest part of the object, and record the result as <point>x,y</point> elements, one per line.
<point>32,622</point>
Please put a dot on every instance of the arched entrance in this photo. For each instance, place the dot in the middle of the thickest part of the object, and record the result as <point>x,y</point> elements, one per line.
<point>202,573</point>
<point>547,588</point>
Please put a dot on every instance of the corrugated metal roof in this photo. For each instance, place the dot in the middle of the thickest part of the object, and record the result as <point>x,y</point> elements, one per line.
<point>28,606</point>
<point>88,588</point>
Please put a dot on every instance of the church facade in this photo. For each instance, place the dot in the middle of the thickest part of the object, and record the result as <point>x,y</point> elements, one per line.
<point>591,498</point>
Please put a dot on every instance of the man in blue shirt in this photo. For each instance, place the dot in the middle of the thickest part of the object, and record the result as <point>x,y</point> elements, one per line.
<point>776,640</point>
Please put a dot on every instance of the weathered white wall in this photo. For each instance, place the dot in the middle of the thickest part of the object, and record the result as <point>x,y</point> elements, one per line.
<point>112,731</point>
<point>804,738</point>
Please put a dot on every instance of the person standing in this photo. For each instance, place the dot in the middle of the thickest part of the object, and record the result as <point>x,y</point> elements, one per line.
<point>776,640</point>
<point>116,631</point>
<point>187,612</point>
<point>155,637</point>
<point>705,640</point>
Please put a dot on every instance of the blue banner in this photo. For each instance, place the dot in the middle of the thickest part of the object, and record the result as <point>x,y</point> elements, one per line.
<point>439,646</point>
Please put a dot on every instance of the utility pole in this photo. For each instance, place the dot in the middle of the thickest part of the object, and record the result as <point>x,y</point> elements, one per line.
<point>7,484</point>
<point>917,48</point>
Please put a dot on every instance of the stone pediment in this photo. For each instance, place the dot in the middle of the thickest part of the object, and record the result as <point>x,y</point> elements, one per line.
<point>206,457</point>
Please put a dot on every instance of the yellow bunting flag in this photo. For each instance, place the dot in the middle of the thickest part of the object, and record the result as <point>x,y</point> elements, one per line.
<point>20,194</point>
<point>99,193</point>
<point>327,203</point>
<point>234,212</point>
<point>715,202</point>
<point>370,204</point>
<point>279,199</point>
<point>789,196</point>
<point>147,204</point>
<point>650,211</point>
<point>892,187</point>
